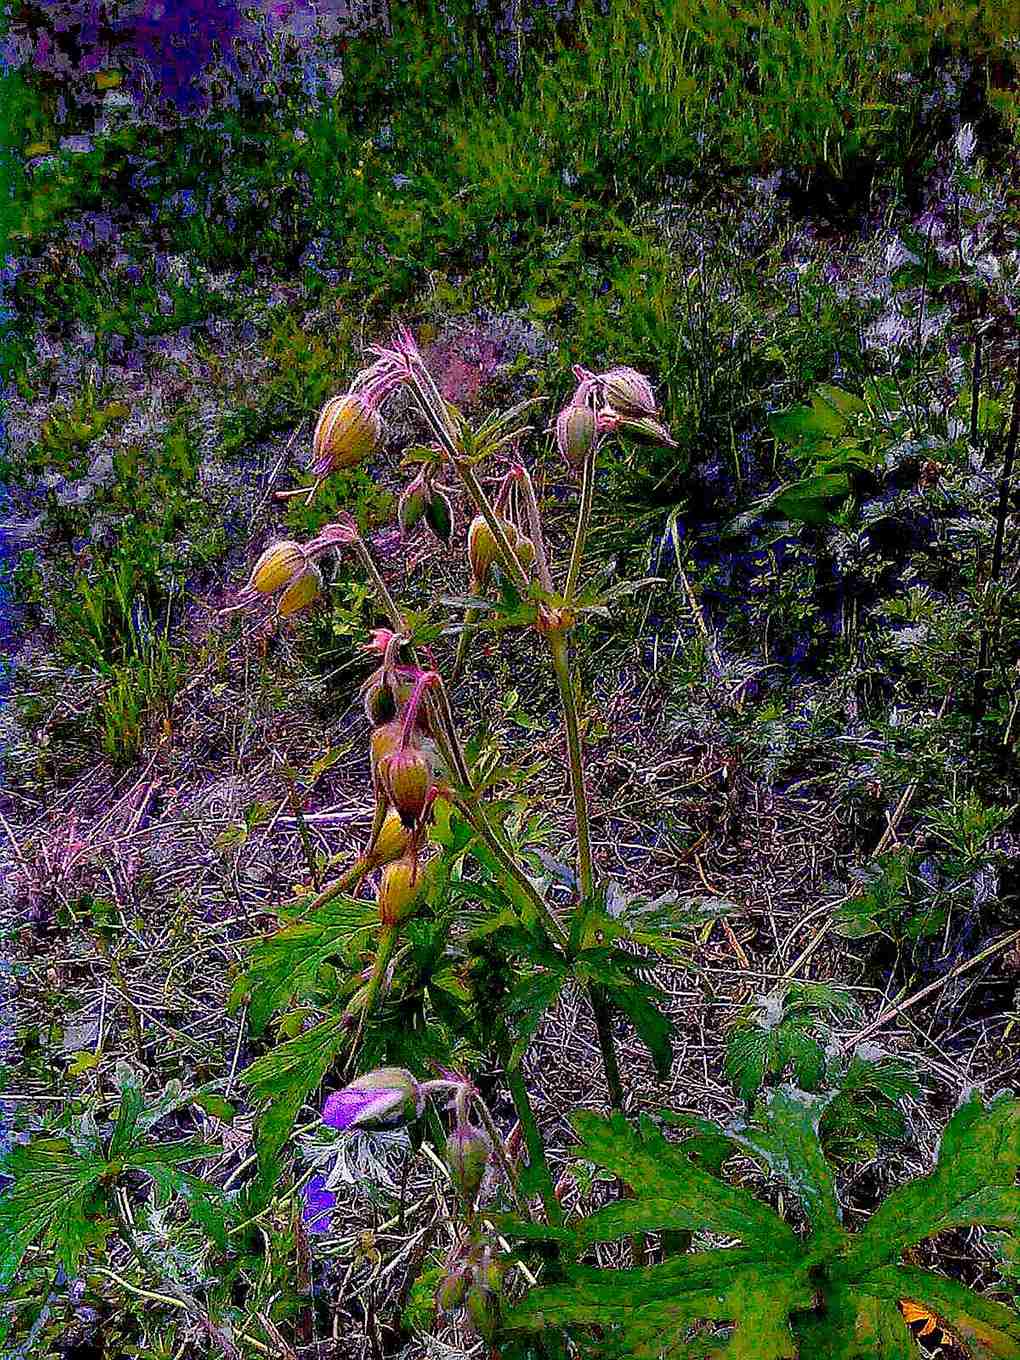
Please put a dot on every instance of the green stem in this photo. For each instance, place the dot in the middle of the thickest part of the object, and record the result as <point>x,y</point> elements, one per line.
<point>533,1142</point>
<point>583,520</point>
<point>535,530</point>
<point>350,879</point>
<point>385,598</point>
<point>558,650</point>
<point>470,617</point>
<point>388,937</point>
<point>496,1138</point>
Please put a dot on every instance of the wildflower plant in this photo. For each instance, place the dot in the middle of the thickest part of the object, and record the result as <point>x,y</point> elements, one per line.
<point>474,930</point>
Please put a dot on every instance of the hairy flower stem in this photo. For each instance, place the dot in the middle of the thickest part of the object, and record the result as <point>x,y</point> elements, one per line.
<point>471,616</point>
<point>385,598</point>
<point>533,1142</point>
<point>535,528</point>
<point>558,650</point>
<point>499,1148</point>
<point>583,520</point>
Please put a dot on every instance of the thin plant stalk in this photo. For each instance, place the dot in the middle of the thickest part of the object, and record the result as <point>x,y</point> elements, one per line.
<point>558,651</point>
<point>534,1143</point>
<point>583,521</point>
<point>535,529</point>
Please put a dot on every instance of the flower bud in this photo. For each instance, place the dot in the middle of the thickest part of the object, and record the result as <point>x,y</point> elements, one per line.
<point>391,842</point>
<point>406,778</point>
<point>575,433</point>
<point>411,506</point>
<point>378,699</point>
<point>301,591</point>
<point>400,890</point>
<point>481,548</point>
<point>629,392</point>
<point>384,741</point>
<point>384,1099</point>
<point>439,515</point>
<point>467,1155</point>
<point>643,428</point>
<point>525,550</point>
<point>348,431</point>
<point>280,563</point>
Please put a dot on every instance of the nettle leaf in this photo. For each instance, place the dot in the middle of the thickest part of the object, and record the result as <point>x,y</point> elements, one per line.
<point>285,965</point>
<point>660,1172</point>
<point>677,1308</point>
<point>972,1184</point>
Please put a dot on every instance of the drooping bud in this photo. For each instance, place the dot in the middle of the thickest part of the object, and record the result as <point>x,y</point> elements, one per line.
<point>575,433</point>
<point>384,1099</point>
<point>301,591</point>
<point>629,392</point>
<point>643,428</point>
<point>467,1155</point>
<point>411,506</point>
<point>525,550</point>
<point>384,741</point>
<point>378,699</point>
<point>280,563</point>
<point>406,778</point>
<point>348,431</point>
<point>391,842</point>
<point>400,890</point>
<point>439,514</point>
<point>482,547</point>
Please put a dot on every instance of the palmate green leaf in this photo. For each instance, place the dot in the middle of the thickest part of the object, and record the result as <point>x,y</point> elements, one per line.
<point>284,965</point>
<point>283,1079</point>
<point>658,1170</point>
<point>972,1183</point>
<point>665,1310</point>
<point>989,1330</point>
<point>55,1199</point>
<point>786,1140</point>
<point>526,1006</point>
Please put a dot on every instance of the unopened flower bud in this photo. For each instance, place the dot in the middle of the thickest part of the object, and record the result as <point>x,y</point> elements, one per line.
<point>575,433</point>
<point>278,565</point>
<point>439,515</point>
<point>391,842</point>
<point>643,428</point>
<point>629,392</point>
<point>301,591</point>
<point>483,549</point>
<point>406,778</point>
<point>384,1099</point>
<point>348,431</point>
<point>467,1155</point>
<point>384,741</point>
<point>411,506</point>
<point>378,699</point>
<point>400,890</point>
<point>525,550</point>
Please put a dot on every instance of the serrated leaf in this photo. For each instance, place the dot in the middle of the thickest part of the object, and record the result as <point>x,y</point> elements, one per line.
<point>972,1183</point>
<point>656,1311</point>
<point>786,1138</point>
<point>284,965</point>
<point>53,1199</point>
<point>526,1006</point>
<point>653,1167</point>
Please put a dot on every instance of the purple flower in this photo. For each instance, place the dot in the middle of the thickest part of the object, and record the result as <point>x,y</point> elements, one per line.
<point>383,1099</point>
<point>317,1214</point>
